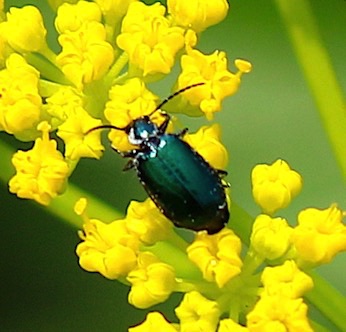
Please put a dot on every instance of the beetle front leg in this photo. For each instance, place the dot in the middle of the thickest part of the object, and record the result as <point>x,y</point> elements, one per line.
<point>164,124</point>
<point>128,154</point>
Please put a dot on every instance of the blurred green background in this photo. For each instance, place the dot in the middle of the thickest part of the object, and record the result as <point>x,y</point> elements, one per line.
<point>272,116</point>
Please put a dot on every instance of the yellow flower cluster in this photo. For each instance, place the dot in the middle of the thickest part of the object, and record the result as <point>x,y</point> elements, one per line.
<point>319,235</point>
<point>109,52</point>
<point>220,285</point>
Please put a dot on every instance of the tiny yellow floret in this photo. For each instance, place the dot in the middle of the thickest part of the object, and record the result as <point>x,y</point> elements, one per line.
<point>274,186</point>
<point>77,143</point>
<point>213,71</point>
<point>320,235</point>
<point>270,237</point>
<point>154,321</point>
<point>107,248</point>
<point>146,221</point>
<point>149,40</point>
<point>152,281</point>
<point>206,141</point>
<point>196,313</point>
<point>70,17</point>
<point>286,280</point>
<point>24,29</point>
<point>20,102</point>
<point>41,172</point>
<point>197,14</point>
<point>114,10</point>
<point>86,55</point>
<point>217,256</point>
<point>279,313</point>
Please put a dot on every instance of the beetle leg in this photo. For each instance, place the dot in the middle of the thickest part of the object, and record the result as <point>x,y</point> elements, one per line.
<point>164,125</point>
<point>126,154</point>
<point>132,163</point>
<point>222,173</point>
<point>182,133</point>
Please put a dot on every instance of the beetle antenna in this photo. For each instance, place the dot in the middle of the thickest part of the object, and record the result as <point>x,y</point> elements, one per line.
<point>165,101</point>
<point>104,127</point>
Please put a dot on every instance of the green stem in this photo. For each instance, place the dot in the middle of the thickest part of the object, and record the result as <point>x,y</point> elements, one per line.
<point>328,301</point>
<point>318,70</point>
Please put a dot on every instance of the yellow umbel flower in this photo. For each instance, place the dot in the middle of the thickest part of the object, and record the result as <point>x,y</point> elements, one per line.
<point>217,256</point>
<point>270,237</point>
<point>320,235</point>
<point>107,249</point>
<point>154,322</point>
<point>20,102</point>
<point>72,17</point>
<point>152,281</point>
<point>149,40</point>
<point>197,14</point>
<point>24,29</point>
<point>207,142</point>
<point>147,222</point>
<point>279,313</point>
<point>196,313</point>
<point>219,82</point>
<point>85,55</point>
<point>286,280</point>
<point>274,186</point>
<point>41,172</point>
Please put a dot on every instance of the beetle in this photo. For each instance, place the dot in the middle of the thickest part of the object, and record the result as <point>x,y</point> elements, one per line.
<point>182,184</point>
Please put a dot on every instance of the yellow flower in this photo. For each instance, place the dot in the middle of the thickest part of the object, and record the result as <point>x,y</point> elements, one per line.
<point>149,40</point>
<point>228,325</point>
<point>270,237</point>
<point>77,144</point>
<point>41,172</point>
<point>127,102</point>
<point>197,14</point>
<point>217,256</point>
<point>154,322</point>
<point>274,186</point>
<point>114,10</point>
<point>72,17</point>
<point>85,55</point>
<point>147,222</point>
<point>196,313</point>
<point>279,313</point>
<point>219,82</point>
<point>106,248</point>
<point>24,29</point>
<point>62,103</point>
<point>56,3</point>
<point>207,142</point>
<point>320,234</point>
<point>286,280</point>
<point>152,281</point>
<point>20,101</point>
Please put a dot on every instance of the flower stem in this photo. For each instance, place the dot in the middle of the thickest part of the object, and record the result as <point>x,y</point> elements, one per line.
<point>328,301</point>
<point>317,68</point>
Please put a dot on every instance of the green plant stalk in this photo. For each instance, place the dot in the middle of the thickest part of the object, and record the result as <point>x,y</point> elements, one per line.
<point>317,68</point>
<point>328,301</point>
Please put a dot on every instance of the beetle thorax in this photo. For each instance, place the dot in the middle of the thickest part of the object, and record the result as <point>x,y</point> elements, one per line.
<point>142,130</point>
